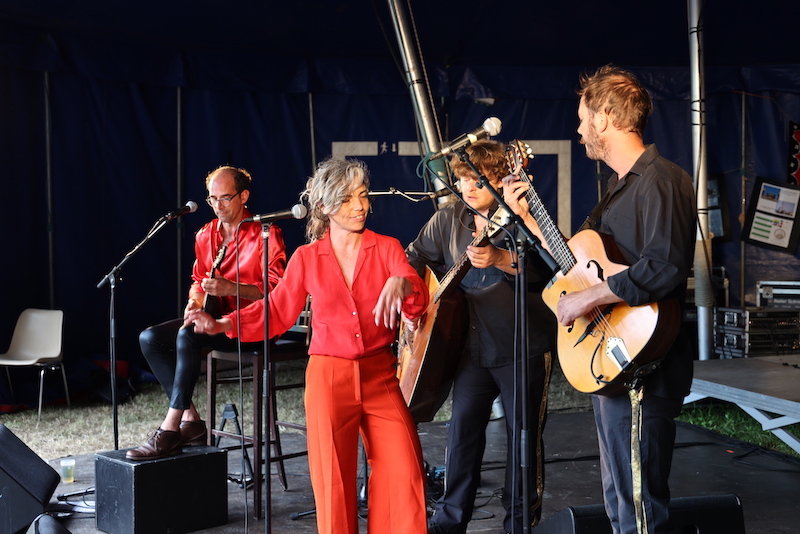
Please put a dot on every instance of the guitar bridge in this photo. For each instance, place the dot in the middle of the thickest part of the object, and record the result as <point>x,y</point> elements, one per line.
<point>616,351</point>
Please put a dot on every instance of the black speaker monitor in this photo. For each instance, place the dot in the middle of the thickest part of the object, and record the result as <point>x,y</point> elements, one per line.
<point>26,483</point>
<point>710,514</point>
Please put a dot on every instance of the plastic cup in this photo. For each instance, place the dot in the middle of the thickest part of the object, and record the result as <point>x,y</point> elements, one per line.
<point>68,469</point>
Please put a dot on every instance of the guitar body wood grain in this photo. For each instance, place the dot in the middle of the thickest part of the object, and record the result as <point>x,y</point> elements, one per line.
<point>428,358</point>
<point>612,343</point>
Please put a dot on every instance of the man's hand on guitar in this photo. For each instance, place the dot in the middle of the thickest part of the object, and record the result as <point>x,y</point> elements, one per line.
<point>205,323</point>
<point>483,257</point>
<point>580,303</point>
<point>514,191</point>
<point>218,287</point>
<point>410,324</point>
<point>192,305</point>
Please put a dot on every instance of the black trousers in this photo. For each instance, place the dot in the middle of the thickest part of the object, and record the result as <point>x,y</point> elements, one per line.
<point>657,441</point>
<point>174,354</point>
<point>474,390</point>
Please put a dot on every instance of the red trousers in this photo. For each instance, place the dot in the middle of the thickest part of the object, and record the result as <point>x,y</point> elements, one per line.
<point>344,397</point>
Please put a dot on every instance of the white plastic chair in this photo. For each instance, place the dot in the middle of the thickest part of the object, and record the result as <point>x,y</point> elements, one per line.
<point>36,342</point>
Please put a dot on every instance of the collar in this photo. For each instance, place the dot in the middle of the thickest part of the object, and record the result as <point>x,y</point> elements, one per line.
<point>648,156</point>
<point>368,239</point>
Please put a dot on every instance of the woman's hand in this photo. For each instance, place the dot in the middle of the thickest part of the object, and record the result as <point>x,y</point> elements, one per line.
<point>390,301</point>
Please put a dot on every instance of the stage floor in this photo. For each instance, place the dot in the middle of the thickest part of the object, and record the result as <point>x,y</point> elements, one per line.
<point>705,464</point>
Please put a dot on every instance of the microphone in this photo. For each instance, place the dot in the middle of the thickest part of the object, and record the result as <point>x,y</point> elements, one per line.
<point>440,193</point>
<point>298,211</point>
<point>190,207</point>
<point>490,126</point>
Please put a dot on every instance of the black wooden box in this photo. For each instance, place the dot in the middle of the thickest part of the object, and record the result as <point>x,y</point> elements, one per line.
<point>172,495</point>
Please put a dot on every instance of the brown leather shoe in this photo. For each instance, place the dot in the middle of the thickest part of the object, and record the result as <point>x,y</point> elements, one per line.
<point>193,433</point>
<point>161,444</point>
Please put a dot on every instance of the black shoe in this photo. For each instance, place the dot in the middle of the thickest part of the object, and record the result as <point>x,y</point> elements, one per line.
<point>161,444</point>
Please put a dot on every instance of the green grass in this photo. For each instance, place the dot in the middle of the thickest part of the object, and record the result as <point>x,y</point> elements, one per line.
<point>87,427</point>
<point>729,420</point>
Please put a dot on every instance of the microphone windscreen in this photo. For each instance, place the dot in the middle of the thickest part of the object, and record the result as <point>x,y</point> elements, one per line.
<point>492,125</point>
<point>299,211</point>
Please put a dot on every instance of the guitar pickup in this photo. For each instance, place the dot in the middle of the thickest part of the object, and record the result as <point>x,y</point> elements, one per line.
<point>616,351</point>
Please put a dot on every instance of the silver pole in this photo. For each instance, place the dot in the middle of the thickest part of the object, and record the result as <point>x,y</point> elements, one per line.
<point>743,212</point>
<point>704,295</point>
<point>417,83</point>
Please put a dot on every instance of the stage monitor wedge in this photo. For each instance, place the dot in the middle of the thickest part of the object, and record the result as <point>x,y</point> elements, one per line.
<point>26,483</point>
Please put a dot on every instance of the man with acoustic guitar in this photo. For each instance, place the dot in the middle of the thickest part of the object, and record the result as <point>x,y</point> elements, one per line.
<point>487,366</point>
<point>649,211</point>
<point>174,352</point>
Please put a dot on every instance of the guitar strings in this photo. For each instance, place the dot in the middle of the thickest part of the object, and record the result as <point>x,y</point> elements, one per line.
<point>567,261</point>
<point>564,256</point>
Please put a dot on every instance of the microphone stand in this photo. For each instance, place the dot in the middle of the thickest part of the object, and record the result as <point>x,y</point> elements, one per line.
<point>409,195</point>
<point>525,241</point>
<point>267,382</point>
<point>111,279</point>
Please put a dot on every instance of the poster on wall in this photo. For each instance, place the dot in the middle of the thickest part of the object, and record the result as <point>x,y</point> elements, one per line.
<point>772,216</point>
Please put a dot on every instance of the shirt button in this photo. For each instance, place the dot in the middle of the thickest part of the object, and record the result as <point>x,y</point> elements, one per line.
<point>354,313</point>
<point>358,335</point>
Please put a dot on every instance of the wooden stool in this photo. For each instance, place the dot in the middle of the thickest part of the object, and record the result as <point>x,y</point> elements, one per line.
<point>291,346</point>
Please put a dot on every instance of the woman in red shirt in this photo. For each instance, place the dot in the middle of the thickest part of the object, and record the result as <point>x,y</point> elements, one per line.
<point>359,282</point>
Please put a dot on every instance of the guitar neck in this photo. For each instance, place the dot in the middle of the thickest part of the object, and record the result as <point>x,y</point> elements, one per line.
<point>211,304</point>
<point>552,235</point>
<point>459,270</point>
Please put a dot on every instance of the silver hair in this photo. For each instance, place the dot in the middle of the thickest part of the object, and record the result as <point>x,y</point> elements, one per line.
<point>333,182</point>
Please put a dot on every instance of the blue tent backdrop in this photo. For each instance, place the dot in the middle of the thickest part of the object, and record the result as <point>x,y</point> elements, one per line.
<point>139,101</point>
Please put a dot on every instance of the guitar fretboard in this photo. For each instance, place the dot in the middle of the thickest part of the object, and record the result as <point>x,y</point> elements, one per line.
<point>458,270</point>
<point>552,235</point>
<point>462,265</point>
<point>555,241</point>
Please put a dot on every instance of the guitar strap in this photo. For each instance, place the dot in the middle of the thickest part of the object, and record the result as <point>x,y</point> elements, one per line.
<point>593,219</point>
<point>636,459</point>
<point>548,368</point>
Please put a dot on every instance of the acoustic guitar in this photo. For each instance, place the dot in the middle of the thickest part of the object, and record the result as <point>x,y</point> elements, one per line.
<point>213,305</point>
<point>610,349</point>
<point>428,357</point>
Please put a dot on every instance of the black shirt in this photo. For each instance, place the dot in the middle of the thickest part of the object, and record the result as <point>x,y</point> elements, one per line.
<point>489,292</point>
<point>651,215</point>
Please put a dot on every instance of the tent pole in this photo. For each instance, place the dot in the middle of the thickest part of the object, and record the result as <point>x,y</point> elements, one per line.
<point>420,90</point>
<point>704,295</point>
<point>48,133</point>
<point>312,132</point>
<point>743,213</point>
<point>180,294</point>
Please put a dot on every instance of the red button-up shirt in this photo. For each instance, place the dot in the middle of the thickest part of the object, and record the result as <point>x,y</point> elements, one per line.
<point>342,322</point>
<point>207,243</point>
